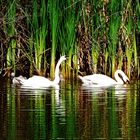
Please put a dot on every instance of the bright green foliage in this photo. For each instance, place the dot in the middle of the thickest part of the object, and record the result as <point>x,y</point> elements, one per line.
<point>54,13</point>
<point>10,31</point>
<point>108,29</point>
<point>39,28</point>
<point>67,33</point>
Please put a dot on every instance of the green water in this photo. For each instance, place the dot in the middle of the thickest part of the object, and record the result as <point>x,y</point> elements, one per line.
<point>70,112</point>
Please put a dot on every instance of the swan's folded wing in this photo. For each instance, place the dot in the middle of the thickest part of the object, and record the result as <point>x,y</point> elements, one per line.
<point>37,81</point>
<point>99,79</point>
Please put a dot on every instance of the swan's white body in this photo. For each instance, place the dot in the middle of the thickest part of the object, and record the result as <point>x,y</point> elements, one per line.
<point>104,80</point>
<point>40,81</point>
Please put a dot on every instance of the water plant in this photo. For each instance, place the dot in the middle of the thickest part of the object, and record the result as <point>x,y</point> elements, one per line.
<point>53,9</point>
<point>39,31</point>
<point>95,35</point>
<point>10,31</point>
<point>67,34</point>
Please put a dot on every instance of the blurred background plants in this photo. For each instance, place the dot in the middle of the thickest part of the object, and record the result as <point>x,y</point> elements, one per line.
<point>97,36</point>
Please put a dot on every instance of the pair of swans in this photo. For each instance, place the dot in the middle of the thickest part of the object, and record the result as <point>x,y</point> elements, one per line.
<point>104,80</point>
<point>95,79</point>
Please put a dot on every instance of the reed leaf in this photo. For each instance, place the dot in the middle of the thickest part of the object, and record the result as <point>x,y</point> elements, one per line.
<point>95,56</point>
<point>39,29</point>
<point>135,51</point>
<point>53,8</point>
<point>11,31</point>
<point>67,33</point>
<point>113,34</point>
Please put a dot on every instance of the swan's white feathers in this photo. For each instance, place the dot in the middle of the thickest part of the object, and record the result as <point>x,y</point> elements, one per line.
<point>37,81</point>
<point>40,81</point>
<point>104,80</point>
<point>99,79</point>
<point>18,80</point>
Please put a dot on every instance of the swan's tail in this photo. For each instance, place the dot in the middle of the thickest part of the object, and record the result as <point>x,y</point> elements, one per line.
<point>85,81</point>
<point>80,77</point>
<point>19,80</point>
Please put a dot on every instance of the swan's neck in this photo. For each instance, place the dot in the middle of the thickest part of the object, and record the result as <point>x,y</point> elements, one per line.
<point>118,79</point>
<point>57,78</point>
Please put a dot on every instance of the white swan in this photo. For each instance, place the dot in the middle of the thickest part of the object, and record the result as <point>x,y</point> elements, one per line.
<point>16,80</point>
<point>40,81</point>
<point>104,80</point>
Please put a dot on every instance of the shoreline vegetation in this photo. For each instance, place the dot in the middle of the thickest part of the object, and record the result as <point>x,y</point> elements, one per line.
<point>96,36</point>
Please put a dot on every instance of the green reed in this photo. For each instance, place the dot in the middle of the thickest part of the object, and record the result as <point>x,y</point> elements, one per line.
<point>114,25</point>
<point>10,31</point>
<point>39,28</point>
<point>110,26</point>
<point>127,37</point>
<point>113,34</point>
<point>54,11</point>
<point>95,56</point>
<point>68,34</point>
<point>137,12</point>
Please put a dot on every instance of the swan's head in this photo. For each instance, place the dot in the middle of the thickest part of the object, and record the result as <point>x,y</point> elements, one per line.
<point>12,74</point>
<point>126,79</point>
<point>62,58</point>
<point>123,76</point>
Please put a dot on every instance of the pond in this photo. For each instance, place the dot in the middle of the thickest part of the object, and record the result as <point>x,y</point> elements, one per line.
<point>69,112</point>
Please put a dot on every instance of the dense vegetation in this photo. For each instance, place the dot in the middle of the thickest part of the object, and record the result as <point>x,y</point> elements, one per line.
<point>97,36</point>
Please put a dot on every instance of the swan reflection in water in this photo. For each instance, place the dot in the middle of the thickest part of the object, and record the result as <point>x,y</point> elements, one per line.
<point>55,90</point>
<point>119,91</point>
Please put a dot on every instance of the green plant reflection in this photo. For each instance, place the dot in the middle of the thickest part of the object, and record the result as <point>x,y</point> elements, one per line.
<point>70,112</point>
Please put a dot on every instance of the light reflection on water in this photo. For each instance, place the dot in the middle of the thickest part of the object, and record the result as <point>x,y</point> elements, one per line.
<point>71,111</point>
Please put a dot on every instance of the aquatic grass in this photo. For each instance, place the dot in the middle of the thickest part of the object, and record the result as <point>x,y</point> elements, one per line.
<point>129,60</point>
<point>114,25</point>
<point>11,32</point>
<point>127,24</point>
<point>120,60</point>
<point>106,55</point>
<point>43,33</point>
<point>54,11</point>
<point>135,51</point>
<point>67,35</point>
<point>39,35</point>
<point>137,10</point>
<point>113,35</point>
<point>95,56</point>
<point>131,54</point>
<point>97,25</point>
<point>29,55</point>
<point>106,27</point>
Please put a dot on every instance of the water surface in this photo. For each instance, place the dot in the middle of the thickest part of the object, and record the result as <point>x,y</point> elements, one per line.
<point>70,112</point>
